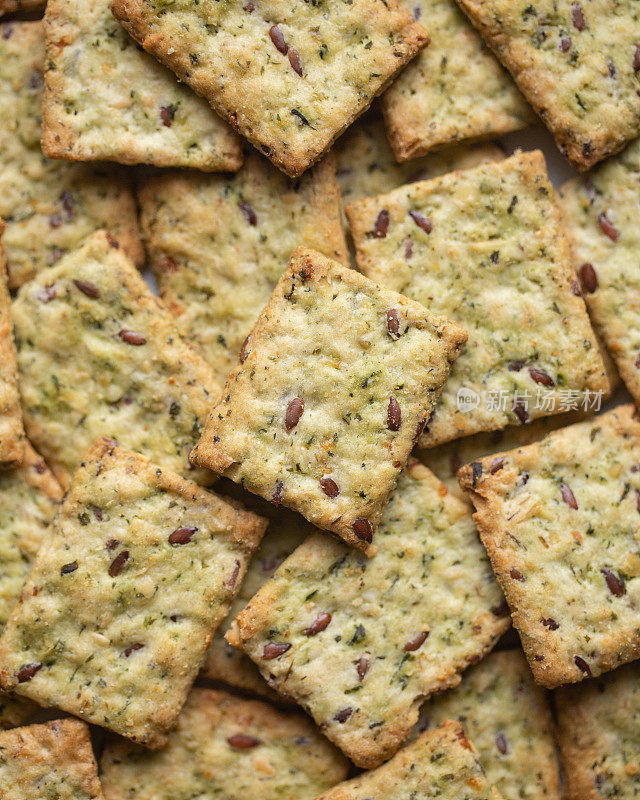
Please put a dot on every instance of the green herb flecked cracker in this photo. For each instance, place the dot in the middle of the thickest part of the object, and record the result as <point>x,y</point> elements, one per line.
<point>560,522</point>
<point>287,530</point>
<point>53,760</point>
<point>508,719</point>
<point>602,210</point>
<point>453,91</point>
<point>11,429</point>
<point>599,736</point>
<point>576,61</point>
<point>446,459</point>
<point>290,76</point>
<point>225,746</point>
<point>486,247</point>
<point>118,610</point>
<point>333,387</point>
<point>29,498</point>
<point>219,244</point>
<point>388,630</point>
<point>49,206</point>
<point>104,99</point>
<point>440,764</point>
<point>99,355</point>
<point>366,166</point>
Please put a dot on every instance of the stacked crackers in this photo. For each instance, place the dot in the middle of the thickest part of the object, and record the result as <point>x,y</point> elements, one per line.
<point>364,442</point>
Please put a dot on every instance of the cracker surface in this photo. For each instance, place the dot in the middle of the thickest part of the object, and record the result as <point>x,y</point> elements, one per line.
<point>12,442</point>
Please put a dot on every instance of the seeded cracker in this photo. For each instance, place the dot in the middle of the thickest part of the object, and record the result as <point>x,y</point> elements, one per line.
<point>288,76</point>
<point>453,91</point>
<point>508,719</point>
<point>11,430</point>
<point>602,214</point>
<point>446,459</point>
<point>49,206</point>
<point>440,764</point>
<point>219,244</point>
<point>576,62</point>
<point>106,100</point>
<point>99,355</point>
<point>366,165</point>
<point>561,524</point>
<point>599,736</point>
<point>225,746</point>
<point>531,346</point>
<point>389,630</point>
<point>118,610</point>
<point>287,530</point>
<point>333,386</point>
<point>54,760</point>
<point>29,497</point>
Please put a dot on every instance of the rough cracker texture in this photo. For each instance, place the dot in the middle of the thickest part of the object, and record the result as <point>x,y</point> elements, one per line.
<point>512,287</point>
<point>446,459</point>
<point>602,215</point>
<point>104,99</point>
<point>98,354</point>
<point>323,344</point>
<point>571,575</point>
<point>120,605</point>
<point>12,441</point>
<point>219,244</point>
<point>575,62</point>
<point>508,719</point>
<point>440,765</point>
<point>366,166</point>
<point>287,530</point>
<point>49,761</point>
<point>599,736</point>
<point>404,624</point>
<point>283,757</point>
<point>29,498</point>
<point>49,206</point>
<point>453,91</point>
<point>339,56</point>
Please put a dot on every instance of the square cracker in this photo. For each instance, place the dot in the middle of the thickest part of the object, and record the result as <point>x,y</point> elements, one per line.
<point>287,530</point>
<point>226,746</point>
<point>98,354</point>
<point>104,99</point>
<point>217,271</point>
<point>333,387</point>
<point>49,206</point>
<point>388,630</point>
<point>440,764</point>
<point>290,76</point>
<point>601,211</point>
<point>11,429</point>
<point>560,521</point>
<point>453,91</point>
<point>599,736</point>
<point>366,166</point>
<point>508,719</point>
<point>55,759</point>
<point>120,604</point>
<point>511,286</point>
<point>577,63</point>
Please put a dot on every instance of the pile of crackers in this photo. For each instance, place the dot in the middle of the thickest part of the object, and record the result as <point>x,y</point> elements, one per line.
<point>371,450</point>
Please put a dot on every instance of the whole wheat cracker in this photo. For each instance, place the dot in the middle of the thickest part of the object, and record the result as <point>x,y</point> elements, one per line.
<point>560,521</point>
<point>333,387</point>
<point>119,607</point>
<point>290,77</point>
